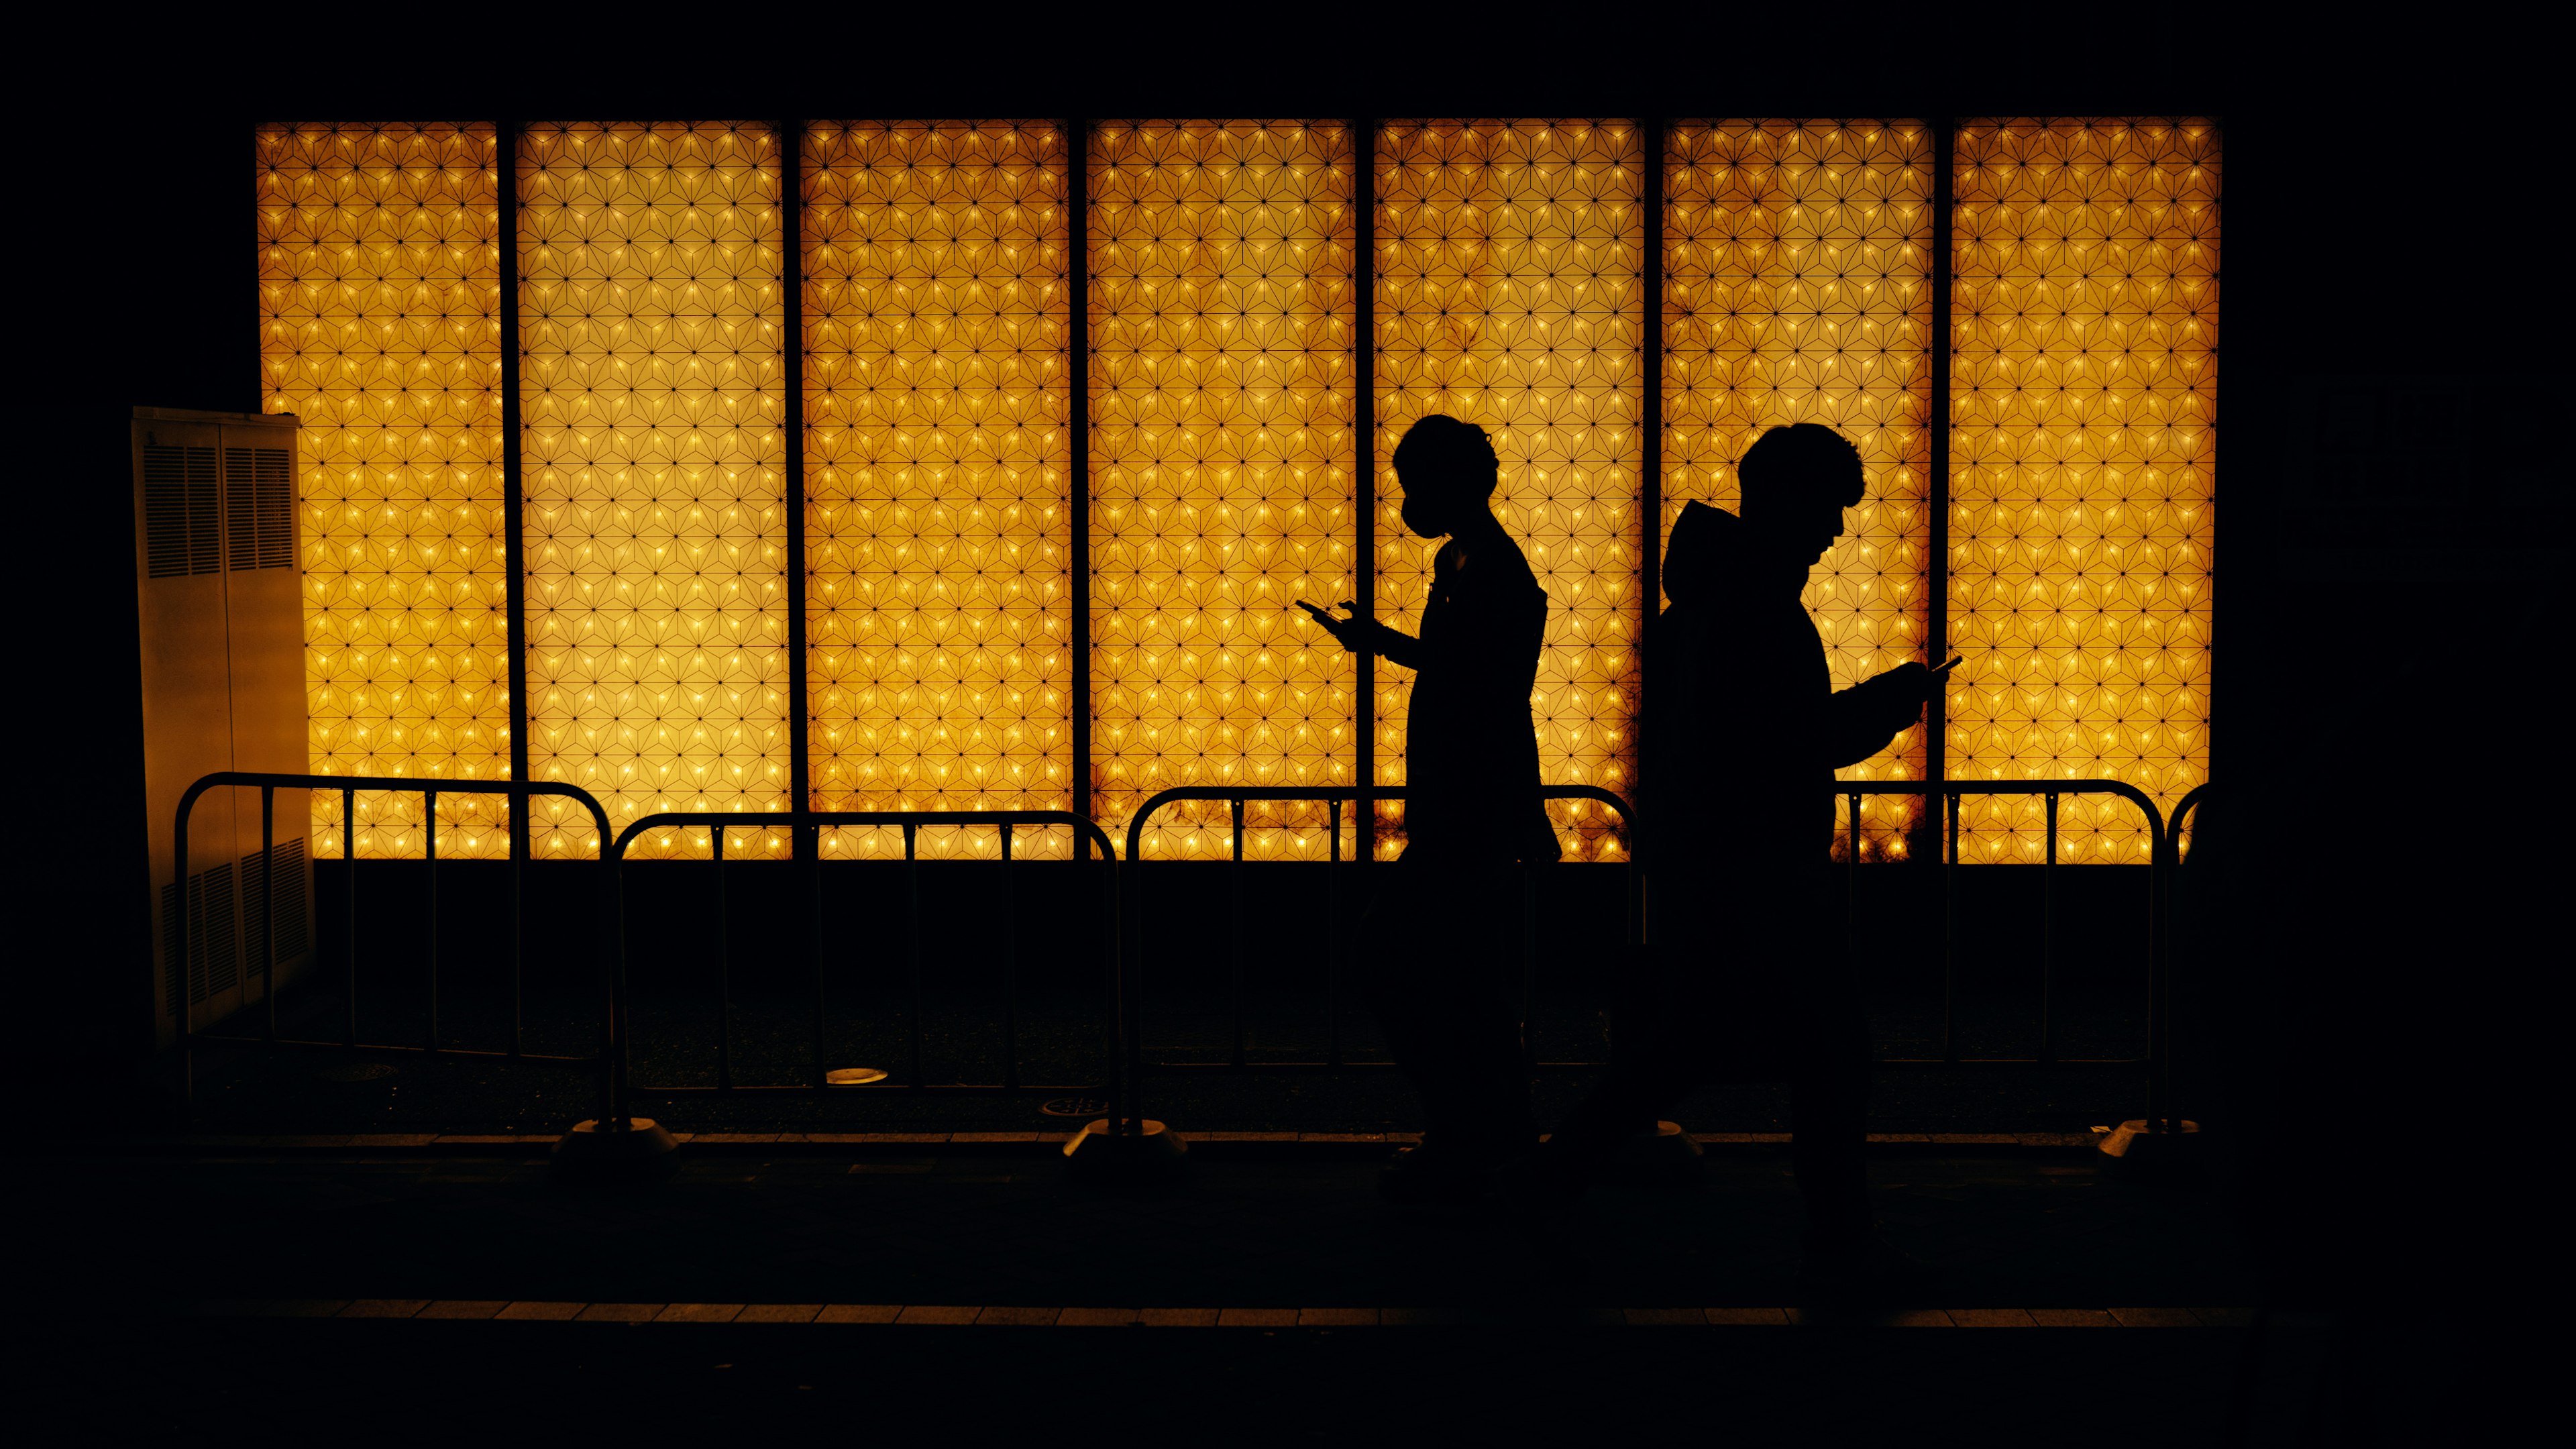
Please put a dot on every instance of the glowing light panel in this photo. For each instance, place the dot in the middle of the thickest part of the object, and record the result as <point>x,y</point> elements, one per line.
<point>1222,316</point>
<point>2083,455</point>
<point>938,607</point>
<point>1508,295</point>
<point>379,298</point>
<point>651,396</point>
<point>1796,290</point>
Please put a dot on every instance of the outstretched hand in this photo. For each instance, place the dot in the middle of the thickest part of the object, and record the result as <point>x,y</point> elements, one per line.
<point>1353,633</point>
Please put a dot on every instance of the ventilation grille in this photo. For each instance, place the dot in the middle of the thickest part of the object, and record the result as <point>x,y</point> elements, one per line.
<point>214,962</point>
<point>182,532</point>
<point>288,856</point>
<point>259,508</point>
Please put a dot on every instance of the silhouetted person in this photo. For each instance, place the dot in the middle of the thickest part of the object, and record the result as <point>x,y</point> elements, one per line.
<point>1445,955</point>
<point>1747,981</point>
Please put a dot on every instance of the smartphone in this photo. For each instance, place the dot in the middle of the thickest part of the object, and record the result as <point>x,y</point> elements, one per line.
<point>1953,664</point>
<point>1322,616</point>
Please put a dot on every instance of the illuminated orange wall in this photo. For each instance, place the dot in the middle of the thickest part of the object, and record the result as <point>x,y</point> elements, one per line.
<point>380,328</point>
<point>1797,289</point>
<point>1220,266</point>
<point>2083,468</point>
<point>1510,295</point>
<point>939,611</point>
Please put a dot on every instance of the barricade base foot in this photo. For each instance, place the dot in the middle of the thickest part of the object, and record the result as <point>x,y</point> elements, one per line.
<point>644,1150</point>
<point>2134,1149</point>
<point>1100,1148</point>
<point>1665,1157</point>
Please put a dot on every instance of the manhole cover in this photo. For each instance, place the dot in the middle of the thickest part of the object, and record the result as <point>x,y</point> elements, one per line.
<point>1076,1107</point>
<point>356,1072</point>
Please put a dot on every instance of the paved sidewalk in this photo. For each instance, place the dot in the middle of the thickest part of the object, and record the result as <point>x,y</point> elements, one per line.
<point>420,1298</point>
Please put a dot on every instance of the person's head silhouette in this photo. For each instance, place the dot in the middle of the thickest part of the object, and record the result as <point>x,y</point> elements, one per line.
<point>1797,480</point>
<point>1447,471</point>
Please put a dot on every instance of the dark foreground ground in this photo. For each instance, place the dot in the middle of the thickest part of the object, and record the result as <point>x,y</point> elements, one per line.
<point>1265,1296</point>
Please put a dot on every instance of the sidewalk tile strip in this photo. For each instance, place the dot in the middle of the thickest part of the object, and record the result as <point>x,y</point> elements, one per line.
<point>393,1139</point>
<point>1705,1138</point>
<point>1900,1137</point>
<point>1974,1139</point>
<point>1097,1317</point>
<point>1257,1318</point>
<point>945,1315</point>
<point>304,1143</point>
<point>1017,1317</point>
<point>304,1307</point>
<point>858,1313</point>
<point>481,1140</point>
<point>1337,1318</point>
<point>1664,1317</point>
<point>699,1313</point>
<point>2224,1317</point>
<point>994,1137</point>
<point>733,1137</point>
<point>870,1137</point>
<point>1917,1318</point>
<point>619,1313</point>
<point>1748,1317</point>
<point>1177,1317</point>
<point>465,1308</point>
<point>384,1308</point>
<point>2072,1318</point>
<point>1243,1137</point>
<point>1341,1137</point>
<point>2155,1318</point>
<point>779,1313</point>
<point>535,1311</point>
<point>1992,1318</point>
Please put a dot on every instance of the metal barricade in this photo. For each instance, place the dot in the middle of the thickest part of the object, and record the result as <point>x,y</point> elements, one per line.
<point>348,786</point>
<point>805,829</point>
<point>1236,798</point>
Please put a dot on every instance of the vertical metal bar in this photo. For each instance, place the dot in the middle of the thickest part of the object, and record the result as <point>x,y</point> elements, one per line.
<point>791,284</point>
<point>1650,427</point>
<point>177,933</point>
<point>1851,888</point>
<point>912,951</point>
<point>1529,959</point>
<point>1950,934</point>
<point>517,800</point>
<point>514,530</point>
<point>1234,927</point>
<point>2048,936</point>
<point>1364,478</point>
<point>2167,855</point>
<point>429,842</point>
<point>820,1078</point>
<point>268,908</point>
<point>1077,512</point>
<point>349,918</point>
<point>1333,933</point>
<point>724,968</point>
<point>1010,967</point>
<point>1941,136</point>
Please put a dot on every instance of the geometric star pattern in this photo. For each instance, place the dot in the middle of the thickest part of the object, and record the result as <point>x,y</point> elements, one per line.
<point>1797,289</point>
<point>937,460</point>
<point>2083,396</point>
<point>379,297</point>
<point>1510,295</point>
<point>652,392</point>
<point>1222,341</point>
<point>2083,317</point>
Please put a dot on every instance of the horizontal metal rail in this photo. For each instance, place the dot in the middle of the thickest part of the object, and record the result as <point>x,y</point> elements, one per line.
<point>1236,798</point>
<point>805,828</point>
<point>348,786</point>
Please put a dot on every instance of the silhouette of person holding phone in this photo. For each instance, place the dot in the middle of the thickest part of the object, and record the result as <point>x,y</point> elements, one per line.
<point>1745,981</point>
<point>1446,974</point>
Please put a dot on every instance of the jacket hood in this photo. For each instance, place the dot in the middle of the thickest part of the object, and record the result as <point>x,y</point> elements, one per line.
<point>1707,548</point>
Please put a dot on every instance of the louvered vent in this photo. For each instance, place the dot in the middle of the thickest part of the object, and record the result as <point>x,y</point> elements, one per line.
<point>182,533</point>
<point>213,962</point>
<point>259,509</point>
<point>291,928</point>
<point>276,483</point>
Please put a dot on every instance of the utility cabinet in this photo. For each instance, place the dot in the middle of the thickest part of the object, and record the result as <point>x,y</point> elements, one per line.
<point>219,584</point>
